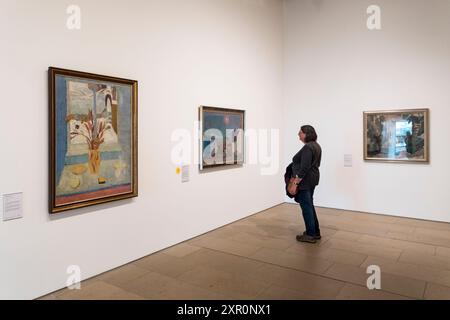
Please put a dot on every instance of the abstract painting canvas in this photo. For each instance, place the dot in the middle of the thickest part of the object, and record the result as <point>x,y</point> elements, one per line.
<point>222,137</point>
<point>93,139</point>
<point>398,135</point>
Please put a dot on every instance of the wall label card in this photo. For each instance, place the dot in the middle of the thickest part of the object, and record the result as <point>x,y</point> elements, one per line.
<point>12,206</point>
<point>185,174</point>
<point>348,160</point>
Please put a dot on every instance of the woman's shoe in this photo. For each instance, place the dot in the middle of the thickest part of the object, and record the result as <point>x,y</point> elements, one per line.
<point>305,238</point>
<point>315,237</point>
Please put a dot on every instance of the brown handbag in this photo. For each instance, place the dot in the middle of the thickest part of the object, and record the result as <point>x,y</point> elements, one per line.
<point>292,187</point>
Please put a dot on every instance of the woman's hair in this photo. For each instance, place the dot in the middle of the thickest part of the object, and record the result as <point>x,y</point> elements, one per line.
<point>310,133</point>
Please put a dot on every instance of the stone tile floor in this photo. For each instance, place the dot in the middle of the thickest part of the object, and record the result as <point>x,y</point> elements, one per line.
<point>259,258</point>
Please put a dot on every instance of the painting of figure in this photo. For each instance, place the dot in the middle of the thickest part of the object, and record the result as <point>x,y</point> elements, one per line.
<point>399,135</point>
<point>222,137</point>
<point>93,139</point>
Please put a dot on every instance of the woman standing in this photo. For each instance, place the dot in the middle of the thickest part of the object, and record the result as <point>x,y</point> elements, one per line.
<point>305,170</point>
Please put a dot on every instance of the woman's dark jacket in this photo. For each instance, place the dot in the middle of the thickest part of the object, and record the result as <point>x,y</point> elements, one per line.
<point>305,165</point>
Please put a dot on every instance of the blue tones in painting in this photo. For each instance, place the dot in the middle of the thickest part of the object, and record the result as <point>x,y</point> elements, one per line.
<point>61,126</point>
<point>120,151</point>
<point>221,122</point>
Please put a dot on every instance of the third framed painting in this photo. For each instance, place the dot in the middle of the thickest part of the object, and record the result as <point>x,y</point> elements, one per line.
<point>397,135</point>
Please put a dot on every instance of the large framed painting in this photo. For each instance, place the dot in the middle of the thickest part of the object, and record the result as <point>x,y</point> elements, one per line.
<point>222,137</point>
<point>93,139</point>
<point>397,135</point>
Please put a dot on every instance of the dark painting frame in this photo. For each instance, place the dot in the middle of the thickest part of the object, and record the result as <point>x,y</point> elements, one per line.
<point>236,118</point>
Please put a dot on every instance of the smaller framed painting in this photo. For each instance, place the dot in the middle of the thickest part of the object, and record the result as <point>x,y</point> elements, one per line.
<point>397,136</point>
<point>221,137</point>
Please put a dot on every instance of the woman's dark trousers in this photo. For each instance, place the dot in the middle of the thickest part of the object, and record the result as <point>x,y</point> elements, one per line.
<point>306,200</point>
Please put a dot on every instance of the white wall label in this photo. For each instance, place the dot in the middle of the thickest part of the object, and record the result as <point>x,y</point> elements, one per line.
<point>184,173</point>
<point>12,206</point>
<point>348,160</point>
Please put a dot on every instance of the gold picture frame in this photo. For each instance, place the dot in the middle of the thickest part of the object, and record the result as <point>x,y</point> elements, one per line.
<point>400,136</point>
<point>93,142</point>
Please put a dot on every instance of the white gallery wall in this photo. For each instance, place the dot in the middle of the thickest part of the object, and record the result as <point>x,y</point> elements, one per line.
<point>184,53</point>
<point>287,63</point>
<point>336,68</point>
